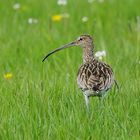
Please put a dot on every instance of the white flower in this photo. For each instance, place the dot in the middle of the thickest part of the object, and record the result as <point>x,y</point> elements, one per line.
<point>100,54</point>
<point>62,2</point>
<point>32,21</point>
<point>16,6</point>
<point>85,19</point>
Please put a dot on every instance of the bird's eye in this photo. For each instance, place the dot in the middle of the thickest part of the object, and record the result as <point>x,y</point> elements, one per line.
<point>81,39</point>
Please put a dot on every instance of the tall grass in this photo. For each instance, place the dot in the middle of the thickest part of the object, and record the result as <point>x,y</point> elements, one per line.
<point>42,100</point>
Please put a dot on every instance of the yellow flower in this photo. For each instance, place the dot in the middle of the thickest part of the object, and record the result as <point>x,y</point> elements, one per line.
<point>8,75</point>
<point>57,17</point>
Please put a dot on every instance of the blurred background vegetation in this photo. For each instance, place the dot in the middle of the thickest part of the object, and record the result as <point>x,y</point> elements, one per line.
<point>41,100</point>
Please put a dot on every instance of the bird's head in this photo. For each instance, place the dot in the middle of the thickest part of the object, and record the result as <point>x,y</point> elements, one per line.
<point>83,41</point>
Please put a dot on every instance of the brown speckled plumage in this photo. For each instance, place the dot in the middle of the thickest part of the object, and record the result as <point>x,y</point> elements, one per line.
<point>94,77</point>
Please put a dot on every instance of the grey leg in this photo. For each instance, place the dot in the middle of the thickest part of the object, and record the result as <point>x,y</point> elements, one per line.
<point>86,100</point>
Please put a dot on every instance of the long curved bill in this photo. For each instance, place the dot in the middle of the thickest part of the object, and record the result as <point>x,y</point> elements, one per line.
<point>58,49</point>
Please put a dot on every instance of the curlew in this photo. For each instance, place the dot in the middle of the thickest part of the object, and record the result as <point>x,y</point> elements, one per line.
<point>94,77</point>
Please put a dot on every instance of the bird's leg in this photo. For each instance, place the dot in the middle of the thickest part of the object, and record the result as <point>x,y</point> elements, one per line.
<point>86,100</point>
<point>100,99</point>
<point>101,102</point>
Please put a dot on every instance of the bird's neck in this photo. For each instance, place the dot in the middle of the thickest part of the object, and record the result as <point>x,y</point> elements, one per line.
<point>88,54</point>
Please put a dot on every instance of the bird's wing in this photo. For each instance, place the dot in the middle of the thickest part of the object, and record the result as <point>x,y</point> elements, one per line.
<point>100,77</point>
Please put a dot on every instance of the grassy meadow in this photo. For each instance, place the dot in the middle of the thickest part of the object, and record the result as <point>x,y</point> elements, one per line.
<point>41,101</point>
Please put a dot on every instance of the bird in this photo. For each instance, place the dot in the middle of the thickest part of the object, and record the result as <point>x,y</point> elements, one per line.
<point>94,77</point>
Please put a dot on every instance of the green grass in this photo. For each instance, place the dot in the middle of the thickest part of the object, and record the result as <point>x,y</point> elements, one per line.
<point>42,101</point>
